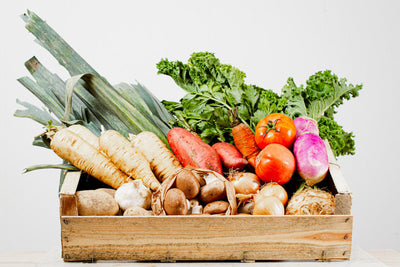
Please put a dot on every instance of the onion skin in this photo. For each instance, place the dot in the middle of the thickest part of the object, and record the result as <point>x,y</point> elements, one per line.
<point>268,206</point>
<point>275,190</point>
<point>305,125</point>
<point>311,158</point>
<point>245,182</point>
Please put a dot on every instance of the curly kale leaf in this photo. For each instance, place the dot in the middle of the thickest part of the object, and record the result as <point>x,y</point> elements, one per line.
<point>323,94</point>
<point>295,105</point>
<point>341,142</point>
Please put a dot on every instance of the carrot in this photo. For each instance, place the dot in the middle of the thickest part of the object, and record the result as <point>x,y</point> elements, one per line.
<point>72,148</point>
<point>191,150</point>
<point>245,142</point>
<point>162,161</point>
<point>230,156</point>
<point>127,158</point>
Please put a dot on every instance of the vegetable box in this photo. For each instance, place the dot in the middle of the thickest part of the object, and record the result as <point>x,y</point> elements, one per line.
<point>207,238</point>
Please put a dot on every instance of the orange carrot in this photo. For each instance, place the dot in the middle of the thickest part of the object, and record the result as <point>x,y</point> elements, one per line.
<point>245,142</point>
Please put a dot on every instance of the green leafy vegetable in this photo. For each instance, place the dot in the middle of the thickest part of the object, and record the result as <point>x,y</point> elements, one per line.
<point>213,89</point>
<point>319,100</point>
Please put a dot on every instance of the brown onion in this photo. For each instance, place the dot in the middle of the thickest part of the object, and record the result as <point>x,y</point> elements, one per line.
<point>245,182</point>
<point>273,189</point>
<point>268,206</point>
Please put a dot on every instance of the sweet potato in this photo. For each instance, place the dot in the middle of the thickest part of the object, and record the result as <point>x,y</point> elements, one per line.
<point>230,156</point>
<point>191,150</point>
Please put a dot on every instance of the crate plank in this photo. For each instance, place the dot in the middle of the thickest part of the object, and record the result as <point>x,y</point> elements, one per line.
<point>343,195</point>
<point>68,204</point>
<point>193,238</point>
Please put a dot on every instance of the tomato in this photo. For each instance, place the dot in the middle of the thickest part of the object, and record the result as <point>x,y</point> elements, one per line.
<point>275,163</point>
<point>275,128</point>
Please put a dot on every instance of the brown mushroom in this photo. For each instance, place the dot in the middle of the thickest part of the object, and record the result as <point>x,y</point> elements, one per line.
<point>216,207</point>
<point>175,202</point>
<point>213,191</point>
<point>188,183</point>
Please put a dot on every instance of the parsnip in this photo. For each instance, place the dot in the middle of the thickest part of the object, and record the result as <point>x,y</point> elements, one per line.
<point>85,134</point>
<point>72,148</point>
<point>127,158</point>
<point>162,161</point>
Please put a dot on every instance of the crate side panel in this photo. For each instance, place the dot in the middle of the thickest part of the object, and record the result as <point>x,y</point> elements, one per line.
<point>174,238</point>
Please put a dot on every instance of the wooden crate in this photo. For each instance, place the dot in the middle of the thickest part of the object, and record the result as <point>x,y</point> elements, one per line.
<point>208,238</point>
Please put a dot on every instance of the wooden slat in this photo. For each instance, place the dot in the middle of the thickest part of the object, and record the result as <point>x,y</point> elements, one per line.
<point>343,197</point>
<point>70,183</point>
<point>68,204</point>
<point>337,176</point>
<point>176,238</point>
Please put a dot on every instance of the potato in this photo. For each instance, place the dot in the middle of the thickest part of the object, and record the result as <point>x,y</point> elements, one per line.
<point>138,211</point>
<point>110,191</point>
<point>188,183</point>
<point>213,191</point>
<point>175,202</point>
<point>96,203</point>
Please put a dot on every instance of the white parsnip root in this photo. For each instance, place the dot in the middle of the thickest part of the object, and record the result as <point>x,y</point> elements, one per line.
<point>127,158</point>
<point>74,149</point>
<point>162,161</point>
<point>85,134</point>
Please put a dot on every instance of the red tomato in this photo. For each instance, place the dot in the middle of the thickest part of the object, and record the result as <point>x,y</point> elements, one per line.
<point>276,128</point>
<point>275,163</point>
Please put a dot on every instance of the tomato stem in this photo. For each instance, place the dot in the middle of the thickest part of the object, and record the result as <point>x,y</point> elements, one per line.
<point>270,126</point>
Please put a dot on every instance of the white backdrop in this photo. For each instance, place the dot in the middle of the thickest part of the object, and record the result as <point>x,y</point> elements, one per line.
<point>268,40</point>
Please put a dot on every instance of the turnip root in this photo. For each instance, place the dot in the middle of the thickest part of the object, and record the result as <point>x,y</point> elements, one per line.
<point>309,201</point>
<point>72,148</point>
<point>311,158</point>
<point>133,194</point>
<point>305,125</point>
<point>127,158</point>
<point>162,161</point>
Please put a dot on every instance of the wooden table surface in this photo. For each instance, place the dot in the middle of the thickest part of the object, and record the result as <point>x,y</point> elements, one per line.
<point>359,258</point>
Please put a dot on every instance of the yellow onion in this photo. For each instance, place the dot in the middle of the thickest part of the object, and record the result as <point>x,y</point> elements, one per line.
<point>268,206</point>
<point>245,182</point>
<point>273,189</point>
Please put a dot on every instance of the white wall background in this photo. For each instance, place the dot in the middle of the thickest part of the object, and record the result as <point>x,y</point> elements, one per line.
<point>268,40</point>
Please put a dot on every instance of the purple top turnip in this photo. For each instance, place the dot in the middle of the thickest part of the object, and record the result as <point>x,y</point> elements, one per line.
<point>311,158</point>
<point>305,125</point>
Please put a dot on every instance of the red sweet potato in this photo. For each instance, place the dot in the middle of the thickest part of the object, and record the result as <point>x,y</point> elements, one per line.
<point>191,150</point>
<point>230,156</point>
